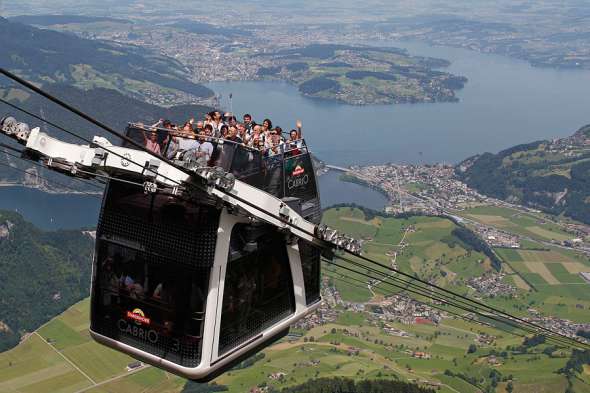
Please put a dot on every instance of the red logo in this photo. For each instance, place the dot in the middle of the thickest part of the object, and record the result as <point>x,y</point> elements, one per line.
<point>298,170</point>
<point>138,316</point>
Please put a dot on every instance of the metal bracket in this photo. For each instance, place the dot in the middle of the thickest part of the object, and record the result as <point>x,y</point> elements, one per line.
<point>340,241</point>
<point>151,168</point>
<point>99,155</point>
<point>150,187</point>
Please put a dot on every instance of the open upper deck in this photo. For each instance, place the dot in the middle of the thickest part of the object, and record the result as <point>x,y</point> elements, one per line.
<point>285,170</point>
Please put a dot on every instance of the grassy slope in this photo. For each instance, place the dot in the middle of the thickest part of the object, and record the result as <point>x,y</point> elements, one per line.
<point>37,366</point>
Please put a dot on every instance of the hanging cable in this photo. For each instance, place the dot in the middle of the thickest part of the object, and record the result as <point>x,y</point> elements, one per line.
<point>567,341</point>
<point>424,292</point>
<point>344,278</point>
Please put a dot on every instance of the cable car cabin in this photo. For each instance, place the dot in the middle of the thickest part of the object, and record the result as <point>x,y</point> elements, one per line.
<point>192,288</point>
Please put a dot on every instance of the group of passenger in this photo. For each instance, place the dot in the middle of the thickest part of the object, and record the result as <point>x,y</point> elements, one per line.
<point>194,139</point>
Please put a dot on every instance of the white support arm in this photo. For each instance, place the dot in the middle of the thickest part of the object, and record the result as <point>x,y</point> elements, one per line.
<point>114,161</point>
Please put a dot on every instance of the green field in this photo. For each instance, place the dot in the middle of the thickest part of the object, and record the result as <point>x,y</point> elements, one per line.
<point>533,225</point>
<point>429,249</point>
<point>61,357</point>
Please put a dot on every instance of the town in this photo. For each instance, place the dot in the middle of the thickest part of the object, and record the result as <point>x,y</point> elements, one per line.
<point>433,189</point>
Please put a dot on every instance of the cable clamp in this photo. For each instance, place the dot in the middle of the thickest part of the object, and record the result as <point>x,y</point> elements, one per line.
<point>150,187</point>
<point>99,155</point>
<point>150,170</point>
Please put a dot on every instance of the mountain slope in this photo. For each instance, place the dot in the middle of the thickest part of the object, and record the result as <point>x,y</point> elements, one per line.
<point>43,273</point>
<point>553,176</point>
<point>50,56</point>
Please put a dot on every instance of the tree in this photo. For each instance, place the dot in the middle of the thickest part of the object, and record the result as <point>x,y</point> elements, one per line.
<point>472,348</point>
<point>509,387</point>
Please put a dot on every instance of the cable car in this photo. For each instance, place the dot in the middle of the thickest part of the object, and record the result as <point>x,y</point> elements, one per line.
<point>184,285</point>
<point>194,279</point>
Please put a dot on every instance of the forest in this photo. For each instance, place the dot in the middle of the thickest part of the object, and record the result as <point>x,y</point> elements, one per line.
<point>346,385</point>
<point>530,175</point>
<point>43,273</point>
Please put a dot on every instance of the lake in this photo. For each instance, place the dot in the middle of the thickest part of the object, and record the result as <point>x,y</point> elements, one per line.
<point>51,211</point>
<point>505,102</point>
<point>56,211</point>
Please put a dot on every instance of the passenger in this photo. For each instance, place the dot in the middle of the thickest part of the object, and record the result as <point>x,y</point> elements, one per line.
<point>256,137</point>
<point>205,149</point>
<point>163,292</point>
<point>266,125</point>
<point>188,128</point>
<point>162,134</point>
<point>248,123</point>
<point>109,278</point>
<point>242,132</point>
<point>199,126</point>
<point>271,138</point>
<point>151,142</point>
<point>217,123</point>
<point>208,128</point>
<point>293,136</point>
<point>294,143</point>
<point>232,135</point>
<point>136,291</point>
<point>223,131</point>
<point>209,118</point>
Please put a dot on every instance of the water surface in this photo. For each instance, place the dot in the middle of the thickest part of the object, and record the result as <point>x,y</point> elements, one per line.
<point>505,102</point>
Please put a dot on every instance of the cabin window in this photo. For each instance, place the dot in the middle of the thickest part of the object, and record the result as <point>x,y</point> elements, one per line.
<point>310,264</point>
<point>258,289</point>
<point>151,276</point>
<point>154,306</point>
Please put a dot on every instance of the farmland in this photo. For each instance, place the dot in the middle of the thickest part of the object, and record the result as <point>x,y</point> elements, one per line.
<point>61,357</point>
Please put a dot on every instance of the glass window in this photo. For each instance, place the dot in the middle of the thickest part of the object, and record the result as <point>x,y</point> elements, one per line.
<point>310,264</point>
<point>153,262</point>
<point>258,285</point>
<point>154,306</point>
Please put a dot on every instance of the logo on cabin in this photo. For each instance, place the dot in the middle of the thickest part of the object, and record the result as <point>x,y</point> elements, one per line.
<point>125,159</point>
<point>298,170</point>
<point>138,316</point>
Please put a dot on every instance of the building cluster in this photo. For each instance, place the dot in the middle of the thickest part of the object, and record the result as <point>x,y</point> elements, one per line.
<point>492,285</point>
<point>485,339</point>
<point>393,331</point>
<point>278,376</point>
<point>425,189</point>
<point>419,354</point>
<point>497,237</point>
<point>398,308</point>
<point>260,389</point>
<point>561,326</point>
<point>5,228</point>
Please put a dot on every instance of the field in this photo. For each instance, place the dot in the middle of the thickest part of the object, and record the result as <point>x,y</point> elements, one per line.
<point>532,225</point>
<point>61,357</point>
<point>554,274</point>
<point>428,248</point>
